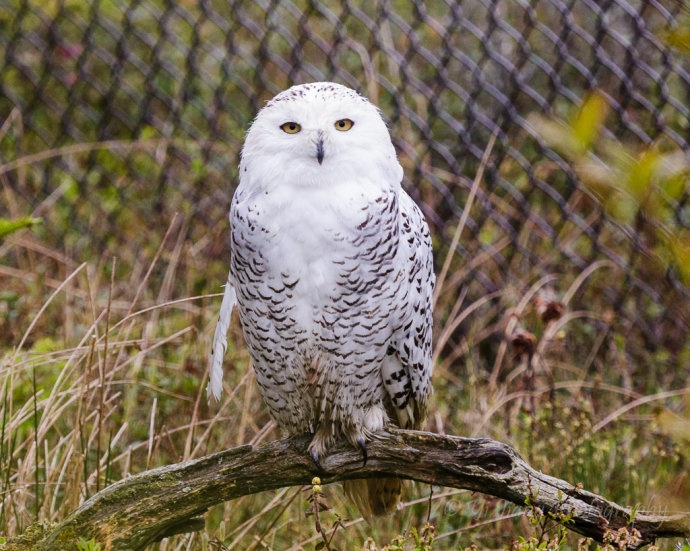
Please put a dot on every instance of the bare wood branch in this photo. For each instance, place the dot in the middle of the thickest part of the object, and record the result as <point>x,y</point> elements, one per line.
<point>142,509</point>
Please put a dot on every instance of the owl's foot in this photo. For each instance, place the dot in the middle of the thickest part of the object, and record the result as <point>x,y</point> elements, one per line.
<point>317,447</point>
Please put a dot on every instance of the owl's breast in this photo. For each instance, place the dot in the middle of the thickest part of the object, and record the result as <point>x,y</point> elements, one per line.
<point>305,231</point>
<point>313,248</point>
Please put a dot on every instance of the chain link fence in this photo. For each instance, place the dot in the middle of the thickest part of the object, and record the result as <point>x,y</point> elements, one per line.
<point>118,114</point>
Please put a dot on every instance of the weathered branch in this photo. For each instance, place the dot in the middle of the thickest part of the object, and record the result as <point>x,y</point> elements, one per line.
<point>144,508</point>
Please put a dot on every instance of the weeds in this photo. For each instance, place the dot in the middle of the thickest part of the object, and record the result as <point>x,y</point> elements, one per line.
<point>422,540</point>
<point>317,500</point>
<point>90,545</point>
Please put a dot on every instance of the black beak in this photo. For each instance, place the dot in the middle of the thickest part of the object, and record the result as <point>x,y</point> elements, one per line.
<point>319,150</point>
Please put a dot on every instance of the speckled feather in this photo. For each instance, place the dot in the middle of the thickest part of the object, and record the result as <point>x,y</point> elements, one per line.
<point>332,268</point>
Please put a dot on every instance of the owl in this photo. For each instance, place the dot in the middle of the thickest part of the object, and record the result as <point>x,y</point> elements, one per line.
<point>331,271</point>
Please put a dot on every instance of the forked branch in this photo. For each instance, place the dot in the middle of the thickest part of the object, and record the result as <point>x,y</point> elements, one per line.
<point>142,509</point>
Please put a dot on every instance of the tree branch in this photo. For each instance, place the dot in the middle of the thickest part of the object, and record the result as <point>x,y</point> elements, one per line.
<point>147,507</point>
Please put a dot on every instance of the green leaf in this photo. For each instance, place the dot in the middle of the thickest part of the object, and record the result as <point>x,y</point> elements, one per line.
<point>679,38</point>
<point>679,245</point>
<point>10,226</point>
<point>642,174</point>
<point>90,545</point>
<point>588,121</point>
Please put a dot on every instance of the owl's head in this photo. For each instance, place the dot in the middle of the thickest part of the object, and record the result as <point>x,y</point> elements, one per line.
<point>317,134</point>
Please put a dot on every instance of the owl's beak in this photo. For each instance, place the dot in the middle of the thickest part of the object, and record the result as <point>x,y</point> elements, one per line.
<point>319,149</point>
<point>317,138</point>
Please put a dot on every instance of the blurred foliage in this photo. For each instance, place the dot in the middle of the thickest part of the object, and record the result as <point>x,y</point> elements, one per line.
<point>678,36</point>
<point>640,188</point>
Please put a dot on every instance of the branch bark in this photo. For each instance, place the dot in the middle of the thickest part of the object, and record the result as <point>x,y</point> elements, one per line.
<point>142,509</point>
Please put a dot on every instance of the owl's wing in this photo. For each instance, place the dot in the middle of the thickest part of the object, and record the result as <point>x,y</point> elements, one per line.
<point>220,343</point>
<point>411,391</point>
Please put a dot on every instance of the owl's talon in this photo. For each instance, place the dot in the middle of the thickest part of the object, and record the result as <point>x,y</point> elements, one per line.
<point>363,446</point>
<point>315,458</point>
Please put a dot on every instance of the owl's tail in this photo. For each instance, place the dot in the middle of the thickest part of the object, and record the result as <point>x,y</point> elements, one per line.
<point>374,496</point>
<point>220,343</point>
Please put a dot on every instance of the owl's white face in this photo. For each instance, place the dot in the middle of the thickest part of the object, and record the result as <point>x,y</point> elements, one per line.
<point>318,135</point>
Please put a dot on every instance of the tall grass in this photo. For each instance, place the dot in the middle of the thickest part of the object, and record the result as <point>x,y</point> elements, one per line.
<point>107,379</point>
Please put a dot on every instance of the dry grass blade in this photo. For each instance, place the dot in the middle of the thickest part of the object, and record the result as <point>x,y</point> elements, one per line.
<point>637,403</point>
<point>152,265</point>
<point>440,280</point>
<point>152,432</point>
<point>80,148</point>
<point>44,307</point>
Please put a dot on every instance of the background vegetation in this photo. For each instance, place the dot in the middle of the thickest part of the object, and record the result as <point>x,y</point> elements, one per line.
<point>562,309</point>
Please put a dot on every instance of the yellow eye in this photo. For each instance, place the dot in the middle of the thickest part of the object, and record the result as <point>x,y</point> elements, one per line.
<point>344,125</point>
<point>290,127</point>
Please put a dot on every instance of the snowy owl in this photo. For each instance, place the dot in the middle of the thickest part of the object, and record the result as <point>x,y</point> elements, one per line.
<point>331,271</point>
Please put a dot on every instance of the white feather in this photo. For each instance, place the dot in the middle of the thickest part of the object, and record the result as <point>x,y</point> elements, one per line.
<point>220,343</point>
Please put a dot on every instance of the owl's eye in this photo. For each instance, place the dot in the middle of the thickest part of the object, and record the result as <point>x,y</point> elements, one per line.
<point>290,127</point>
<point>344,125</point>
